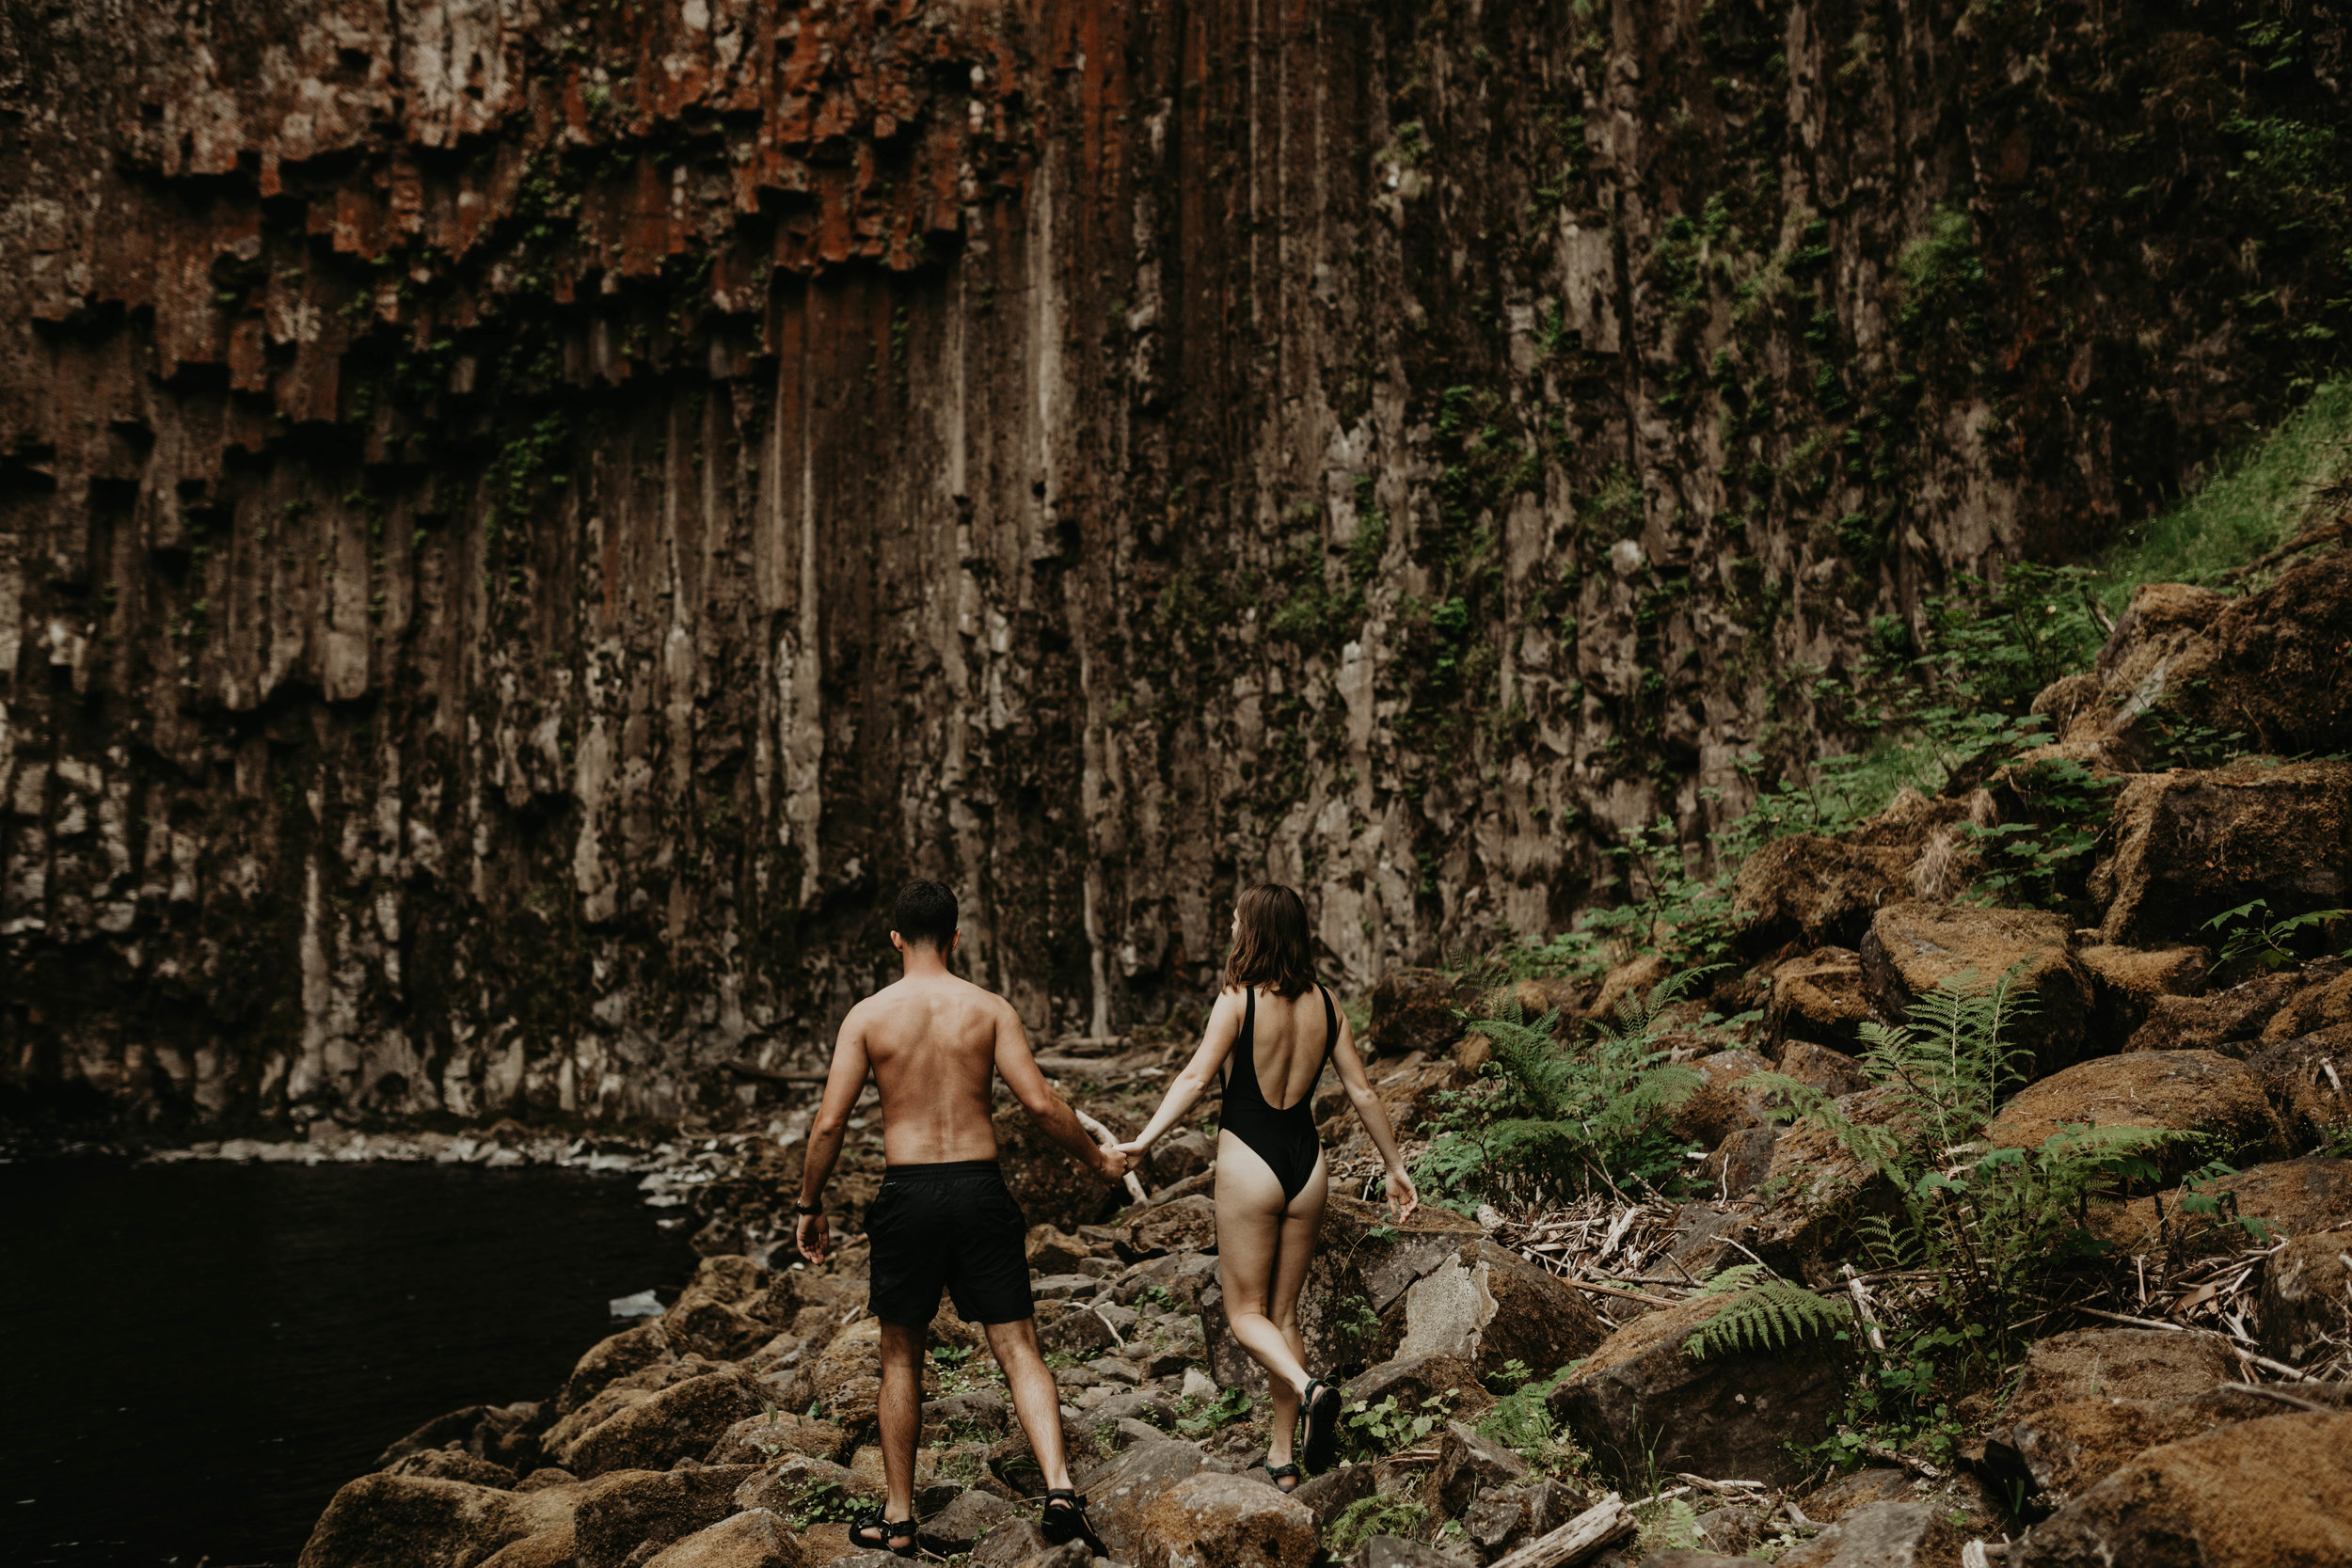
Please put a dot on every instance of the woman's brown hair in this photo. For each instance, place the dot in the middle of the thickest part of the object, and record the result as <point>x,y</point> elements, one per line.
<point>1271,946</point>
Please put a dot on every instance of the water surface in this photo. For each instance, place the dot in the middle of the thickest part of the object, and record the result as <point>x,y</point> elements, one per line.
<point>196,1356</point>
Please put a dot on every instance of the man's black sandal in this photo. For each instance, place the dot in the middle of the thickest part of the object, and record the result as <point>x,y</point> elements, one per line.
<point>1320,1405</point>
<point>873,1532</point>
<point>1285,1477</point>
<point>1065,1519</point>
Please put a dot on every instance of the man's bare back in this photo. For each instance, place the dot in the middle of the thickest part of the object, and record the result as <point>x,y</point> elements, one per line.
<point>934,1043</point>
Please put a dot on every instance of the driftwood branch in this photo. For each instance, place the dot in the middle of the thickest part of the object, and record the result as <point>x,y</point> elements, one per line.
<point>2244,1355</point>
<point>1580,1538</point>
<point>1612,1290</point>
<point>1104,1135</point>
<point>2265,1391</point>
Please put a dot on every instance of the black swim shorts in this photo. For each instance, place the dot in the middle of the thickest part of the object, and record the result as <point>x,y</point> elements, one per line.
<point>952,1225</point>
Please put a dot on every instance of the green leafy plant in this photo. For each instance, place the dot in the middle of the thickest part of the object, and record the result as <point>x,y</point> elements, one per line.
<point>2270,943</point>
<point>1378,1514</point>
<point>1563,1117</point>
<point>1230,1405</point>
<point>1521,1419</point>
<point>1772,1315</point>
<point>1985,1235</point>
<point>1390,1426</point>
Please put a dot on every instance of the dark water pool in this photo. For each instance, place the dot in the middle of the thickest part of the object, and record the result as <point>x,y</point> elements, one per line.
<point>194,1356</point>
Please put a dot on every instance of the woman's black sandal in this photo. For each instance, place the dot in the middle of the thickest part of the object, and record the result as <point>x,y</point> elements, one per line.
<point>1320,1405</point>
<point>1065,1519</point>
<point>1284,1473</point>
<point>883,1532</point>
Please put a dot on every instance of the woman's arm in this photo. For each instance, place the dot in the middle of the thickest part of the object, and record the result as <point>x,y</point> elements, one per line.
<point>1216,1040</point>
<point>1401,1198</point>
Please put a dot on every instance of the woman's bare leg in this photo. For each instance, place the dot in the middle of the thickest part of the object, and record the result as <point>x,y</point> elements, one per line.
<point>1294,1255</point>
<point>1256,1228</point>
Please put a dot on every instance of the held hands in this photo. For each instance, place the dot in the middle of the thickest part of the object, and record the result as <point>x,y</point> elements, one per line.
<point>810,1236</point>
<point>1111,1161</point>
<point>1402,1200</point>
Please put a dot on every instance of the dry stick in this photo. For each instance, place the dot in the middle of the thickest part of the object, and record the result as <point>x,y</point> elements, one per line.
<point>1103,1135</point>
<point>1580,1538</point>
<point>2280,1395</point>
<point>1862,1310</point>
<point>1612,1290</point>
<point>2262,1361</point>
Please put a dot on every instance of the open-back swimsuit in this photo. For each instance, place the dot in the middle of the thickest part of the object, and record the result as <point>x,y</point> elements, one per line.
<point>1283,1135</point>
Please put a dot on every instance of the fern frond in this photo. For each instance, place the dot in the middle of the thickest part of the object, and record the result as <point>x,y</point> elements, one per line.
<point>1771,1315</point>
<point>1722,1282</point>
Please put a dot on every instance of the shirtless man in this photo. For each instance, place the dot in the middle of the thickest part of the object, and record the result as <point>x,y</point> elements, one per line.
<point>944,1216</point>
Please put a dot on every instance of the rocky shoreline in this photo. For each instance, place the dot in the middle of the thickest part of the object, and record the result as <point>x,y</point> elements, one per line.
<point>1583,1379</point>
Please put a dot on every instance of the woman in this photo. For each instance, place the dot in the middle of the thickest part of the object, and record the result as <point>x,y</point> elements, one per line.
<point>1278,1027</point>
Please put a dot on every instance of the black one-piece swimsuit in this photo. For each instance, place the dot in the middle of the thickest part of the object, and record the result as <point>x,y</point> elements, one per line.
<point>1283,1135</point>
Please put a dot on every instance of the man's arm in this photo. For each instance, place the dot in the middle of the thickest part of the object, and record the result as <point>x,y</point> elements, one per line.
<point>844,1083</point>
<point>1020,1071</point>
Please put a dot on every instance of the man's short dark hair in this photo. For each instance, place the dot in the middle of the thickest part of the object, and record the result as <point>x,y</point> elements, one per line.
<point>925,914</point>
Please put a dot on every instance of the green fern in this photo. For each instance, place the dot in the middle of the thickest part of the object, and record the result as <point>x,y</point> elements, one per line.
<point>1568,1115</point>
<point>1724,1282</point>
<point>1774,1315</point>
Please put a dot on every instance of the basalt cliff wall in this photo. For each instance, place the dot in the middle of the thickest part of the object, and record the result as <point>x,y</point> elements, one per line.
<point>520,523</point>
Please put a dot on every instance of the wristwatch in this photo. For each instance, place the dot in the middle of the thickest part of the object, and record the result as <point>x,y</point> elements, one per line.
<point>808,1208</point>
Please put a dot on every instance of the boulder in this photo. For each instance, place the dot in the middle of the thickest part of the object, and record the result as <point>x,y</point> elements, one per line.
<point>1488,1305</point>
<point>797,1486</point>
<point>2226,1021</point>
<point>1395,1551</point>
<point>1053,1250</point>
<point>715,1329</point>
<point>965,1522</point>
<point>1501,1518</point>
<point>681,1421</point>
<point>983,1416</point>
<point>1817,997</point>
<point>1015,1542</point>
<point>1631,981</point>
<point>1722,1103</point>
<point>1182,1153</point>
<point>611,1360</point>
<point>2273,1491</point>
<point>1416,1009</point>
<point>2217,1100</point>
<point>1050,1186</point>
<point>1876,1535</point>
<point>1121,1493</point>
<point>1418,1378</point>
<point>505,1435</point>
<point>1822,1069</point>
<point>2321,998</point>
<point>1914,946</point>
<point>1642,1401</point>
<point>2091,1399</point>
<point>452,1464</point>
<point>1816,889</point>
<point>1469,1465</point>
<point>618,1517</point>
<point>2192,845</point>
<point>2127,983</point>
<point>2306,1296</point>
<point>2309,1081</point>
<point>1841,1495</point>
<point>1220,1521</point>
<point>1817,1190</point>
<point>1186,1224</point>
<point>845,1379</point>
<point>386,1521</point>
<point>761,1439</point>
<point>2294,1197</point>
<point>1078,1331</point>
<point>1741,1161</point>
<point>1326,1496</point>
<point>752,1539</point>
